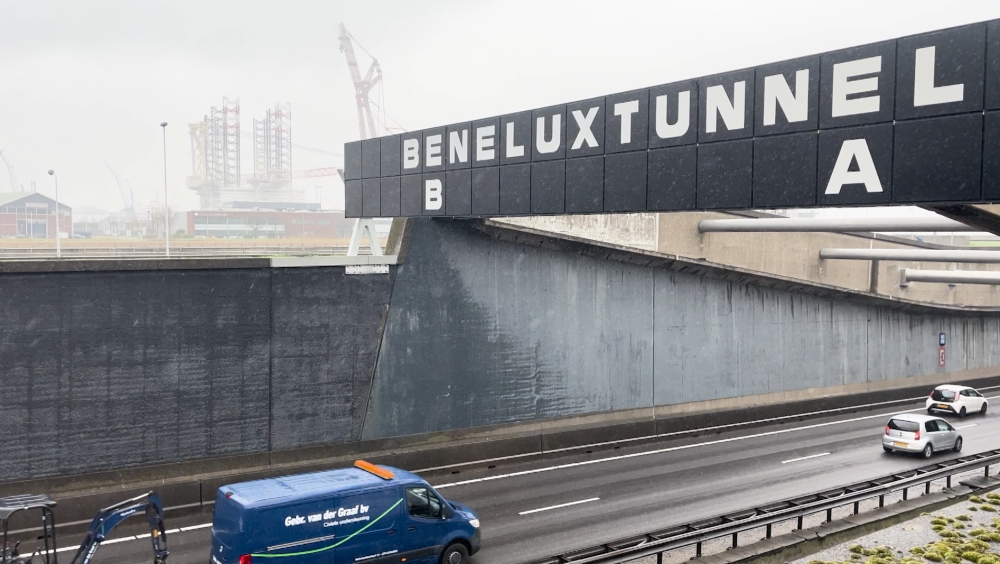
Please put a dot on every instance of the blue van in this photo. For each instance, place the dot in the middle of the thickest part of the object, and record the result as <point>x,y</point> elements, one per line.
<point>369,513</point>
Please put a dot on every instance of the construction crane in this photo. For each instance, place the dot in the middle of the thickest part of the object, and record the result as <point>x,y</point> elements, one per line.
<point>362,86</point>
<point>125,189</point>
<point>11,177</point>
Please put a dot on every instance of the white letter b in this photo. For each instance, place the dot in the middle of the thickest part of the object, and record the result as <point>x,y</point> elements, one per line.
<point>432,195</point>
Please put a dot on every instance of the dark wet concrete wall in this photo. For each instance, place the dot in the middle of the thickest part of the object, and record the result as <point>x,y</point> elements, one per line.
<point>111,369</point>
<point>105,370</point>
<point>325,335</point>
<point>484,332</point>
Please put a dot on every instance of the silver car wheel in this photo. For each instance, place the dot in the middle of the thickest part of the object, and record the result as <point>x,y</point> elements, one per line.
<point>928,451</point>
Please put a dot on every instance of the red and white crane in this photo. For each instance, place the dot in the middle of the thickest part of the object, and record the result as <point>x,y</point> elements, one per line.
<point>368,120</point>
<point>362,86</point>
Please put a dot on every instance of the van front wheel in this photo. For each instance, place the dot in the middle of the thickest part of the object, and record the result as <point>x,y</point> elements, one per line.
<point>455,554</point>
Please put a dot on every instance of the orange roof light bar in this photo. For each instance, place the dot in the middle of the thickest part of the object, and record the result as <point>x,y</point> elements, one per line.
<point>373,469</point>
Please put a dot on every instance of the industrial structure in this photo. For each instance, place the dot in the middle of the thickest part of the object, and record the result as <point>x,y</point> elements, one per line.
<point>215,153</point>
<point>265,197</point>
<point>272,145</point>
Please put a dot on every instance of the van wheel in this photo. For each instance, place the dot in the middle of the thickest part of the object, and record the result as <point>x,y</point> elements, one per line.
<point>928,451</point>
<point>455,554</point>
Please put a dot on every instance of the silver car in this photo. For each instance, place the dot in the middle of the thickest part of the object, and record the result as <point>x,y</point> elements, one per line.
<point>923,434</point>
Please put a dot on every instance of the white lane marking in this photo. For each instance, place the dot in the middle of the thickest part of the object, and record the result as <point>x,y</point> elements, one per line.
<point>141,537</point>
<point>671,434</point>
<point>805,457</point>
<point>670,449</point>
<point>967,426</point>
<point>561,505</point>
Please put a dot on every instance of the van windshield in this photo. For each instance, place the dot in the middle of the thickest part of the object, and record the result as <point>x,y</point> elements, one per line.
<point>904,425</point>
<point>943,395</point>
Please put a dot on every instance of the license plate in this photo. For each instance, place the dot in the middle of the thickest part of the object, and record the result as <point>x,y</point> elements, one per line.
<point>942,406</point>
<point>899,444</point>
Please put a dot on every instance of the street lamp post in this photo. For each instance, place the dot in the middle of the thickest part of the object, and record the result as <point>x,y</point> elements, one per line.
<point>166,208</point>
<point>52,173</point>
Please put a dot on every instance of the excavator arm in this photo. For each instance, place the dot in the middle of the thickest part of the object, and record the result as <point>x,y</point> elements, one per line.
<point>109,518</point>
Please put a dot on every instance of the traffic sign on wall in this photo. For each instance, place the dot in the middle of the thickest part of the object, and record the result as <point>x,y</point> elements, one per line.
<point>906,121</point>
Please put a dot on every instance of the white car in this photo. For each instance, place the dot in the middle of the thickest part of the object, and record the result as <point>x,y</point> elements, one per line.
<point>960,400</point>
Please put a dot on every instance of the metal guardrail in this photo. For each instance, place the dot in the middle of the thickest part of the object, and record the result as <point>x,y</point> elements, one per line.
<point>732,524</point>
<point>158,252</point>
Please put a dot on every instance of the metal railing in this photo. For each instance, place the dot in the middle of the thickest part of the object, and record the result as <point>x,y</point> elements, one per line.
<point>158,252</point>
<point>732,524</point>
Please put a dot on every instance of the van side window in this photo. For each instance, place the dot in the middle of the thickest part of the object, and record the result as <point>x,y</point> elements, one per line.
<point>421,503</point>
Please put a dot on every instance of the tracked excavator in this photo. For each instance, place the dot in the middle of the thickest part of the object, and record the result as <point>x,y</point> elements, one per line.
<point>103,523</point>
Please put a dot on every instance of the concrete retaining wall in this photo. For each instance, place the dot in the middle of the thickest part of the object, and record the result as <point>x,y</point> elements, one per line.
<point>113,370</point>
<point>503,332</point>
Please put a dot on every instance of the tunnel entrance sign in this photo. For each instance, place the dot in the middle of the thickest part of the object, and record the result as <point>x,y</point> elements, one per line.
<point>905,121</point>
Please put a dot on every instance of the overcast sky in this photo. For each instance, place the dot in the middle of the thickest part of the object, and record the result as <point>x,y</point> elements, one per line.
<point>88,81</point>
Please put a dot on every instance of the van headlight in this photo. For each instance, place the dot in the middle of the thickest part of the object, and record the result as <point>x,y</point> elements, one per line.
<point>474,523</point>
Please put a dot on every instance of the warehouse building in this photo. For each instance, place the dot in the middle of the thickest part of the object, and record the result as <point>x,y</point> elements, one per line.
<point>31,214</point>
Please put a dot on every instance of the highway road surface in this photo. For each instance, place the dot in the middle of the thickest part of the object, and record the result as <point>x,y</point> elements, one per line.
<point>534,508</point>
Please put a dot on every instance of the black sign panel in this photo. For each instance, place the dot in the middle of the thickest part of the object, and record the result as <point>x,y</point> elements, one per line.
<point>904,121</point>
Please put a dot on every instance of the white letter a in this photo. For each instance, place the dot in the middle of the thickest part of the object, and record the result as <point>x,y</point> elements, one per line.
<point>851,150</point>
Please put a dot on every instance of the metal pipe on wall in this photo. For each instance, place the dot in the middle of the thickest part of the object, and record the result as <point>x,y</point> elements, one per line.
<point>916,255</point>
<point>850,225</point>
<point>907,275</point>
